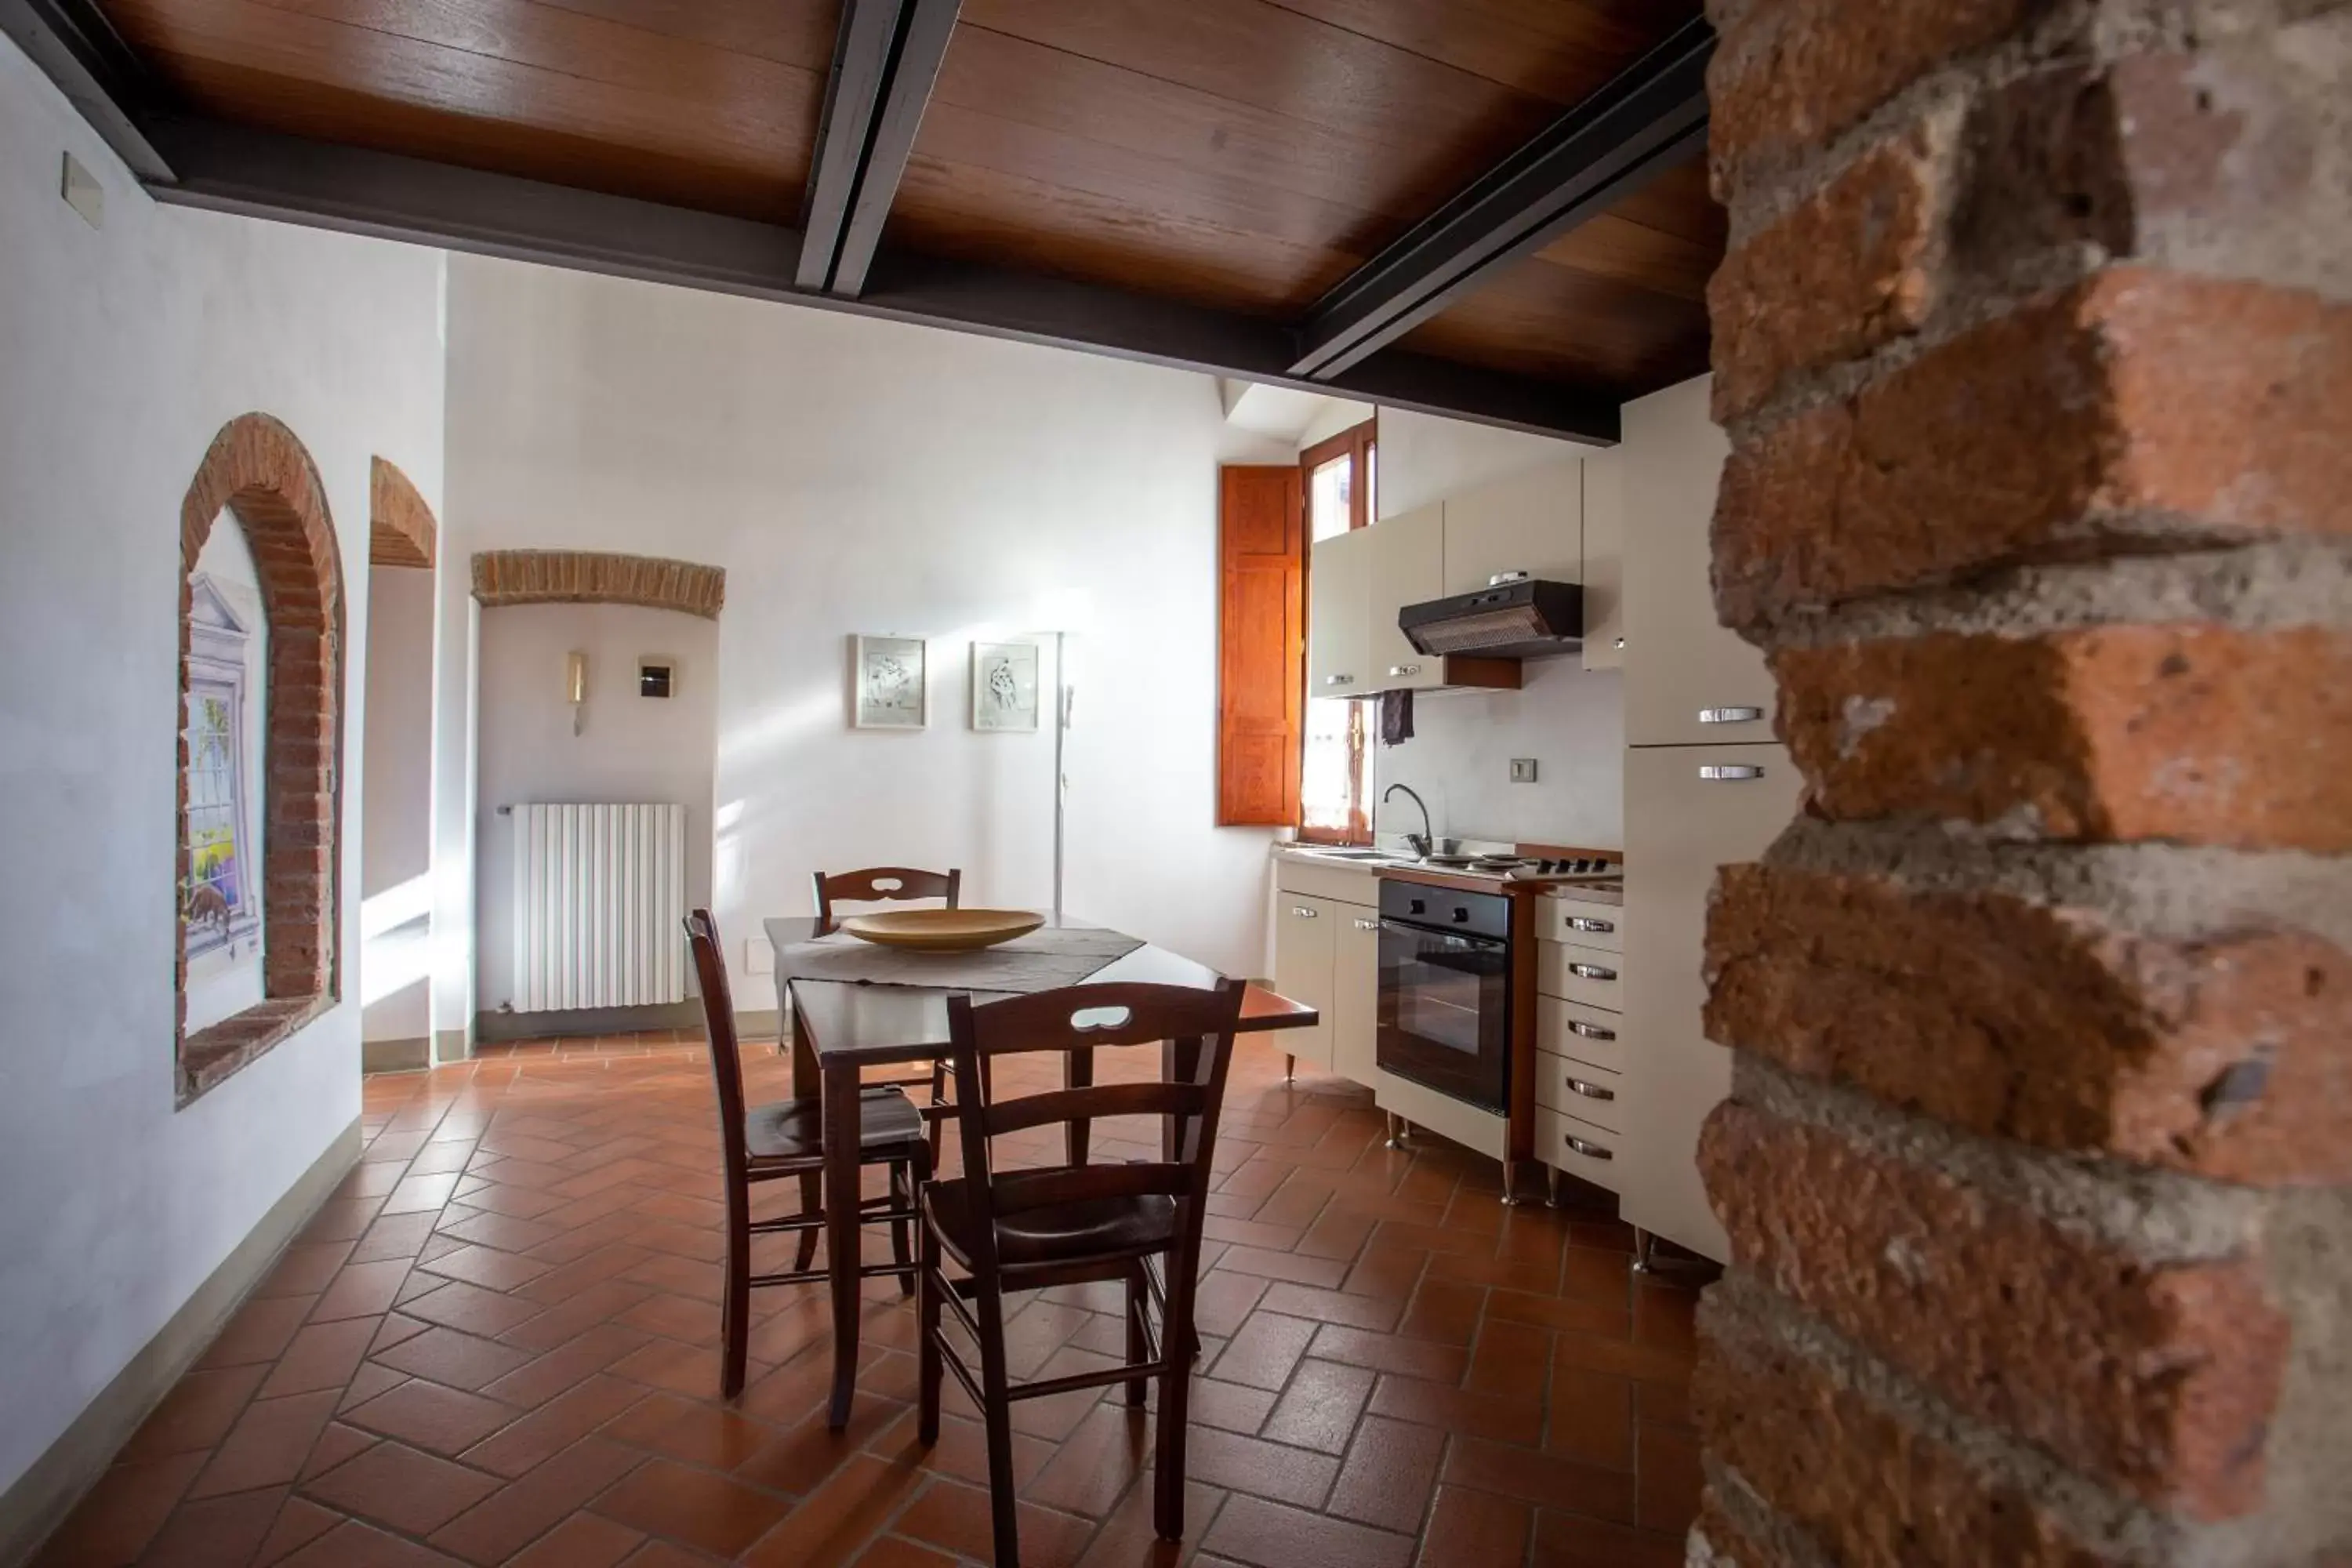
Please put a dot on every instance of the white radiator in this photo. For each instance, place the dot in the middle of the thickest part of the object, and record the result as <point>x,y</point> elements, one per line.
<point>599,893</point>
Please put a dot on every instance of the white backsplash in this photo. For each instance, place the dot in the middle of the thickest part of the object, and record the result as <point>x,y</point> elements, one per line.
<point>1572,721</point>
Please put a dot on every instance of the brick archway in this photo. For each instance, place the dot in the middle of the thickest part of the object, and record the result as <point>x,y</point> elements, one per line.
<point>597,577</point>
<point>401,530</point>
<point>261,473</point>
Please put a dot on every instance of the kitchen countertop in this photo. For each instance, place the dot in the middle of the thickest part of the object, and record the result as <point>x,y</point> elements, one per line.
<point>1441,876</point>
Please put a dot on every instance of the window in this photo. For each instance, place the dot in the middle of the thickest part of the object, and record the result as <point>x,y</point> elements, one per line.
<point>1340,478</point>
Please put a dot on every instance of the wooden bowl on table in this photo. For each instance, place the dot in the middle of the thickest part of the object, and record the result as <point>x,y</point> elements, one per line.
<point>942,931</point>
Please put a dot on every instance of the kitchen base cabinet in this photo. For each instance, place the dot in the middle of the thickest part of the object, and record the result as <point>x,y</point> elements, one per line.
<point>1688,809</point>
<point>1355,992</point>
<point>1304,950</point>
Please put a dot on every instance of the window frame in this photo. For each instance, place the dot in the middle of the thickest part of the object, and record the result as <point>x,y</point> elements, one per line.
<point>1360,443</point>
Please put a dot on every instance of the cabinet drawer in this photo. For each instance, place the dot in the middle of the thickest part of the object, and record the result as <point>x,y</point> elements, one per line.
<point>1593,975</point>
<point>1581,1090</point>
<point>1585,924</point>
<point>1583,1033</point>
<point>1580,1149</point>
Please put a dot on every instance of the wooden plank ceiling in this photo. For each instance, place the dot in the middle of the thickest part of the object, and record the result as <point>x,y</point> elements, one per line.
<point>1241,155</point>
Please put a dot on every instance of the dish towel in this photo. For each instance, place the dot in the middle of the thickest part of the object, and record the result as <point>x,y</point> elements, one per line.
<point>1396,717</point>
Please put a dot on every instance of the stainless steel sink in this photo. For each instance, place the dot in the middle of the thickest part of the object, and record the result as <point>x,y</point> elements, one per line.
<point>1352,854</point>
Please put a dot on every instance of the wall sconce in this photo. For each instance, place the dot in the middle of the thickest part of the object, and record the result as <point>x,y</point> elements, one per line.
<point>575,686</point>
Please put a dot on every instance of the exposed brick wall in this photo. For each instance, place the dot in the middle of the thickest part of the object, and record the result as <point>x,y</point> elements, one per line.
<point>401,531</point>
<point>598,577</point>
<point>2034,344</point>
<point>261,475</point>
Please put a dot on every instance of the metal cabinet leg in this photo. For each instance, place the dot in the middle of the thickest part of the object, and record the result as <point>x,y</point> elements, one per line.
<point>1289,1069</point>
<point>1643,1244</point>
<point>1397,1126</point>
<point>1551,1186</point>
<point>1510,1183</point>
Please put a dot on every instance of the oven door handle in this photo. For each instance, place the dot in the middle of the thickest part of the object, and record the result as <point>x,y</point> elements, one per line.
<point>1467,937</point>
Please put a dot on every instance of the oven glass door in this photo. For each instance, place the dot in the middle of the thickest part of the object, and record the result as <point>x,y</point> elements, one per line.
<point>1444,1012</point>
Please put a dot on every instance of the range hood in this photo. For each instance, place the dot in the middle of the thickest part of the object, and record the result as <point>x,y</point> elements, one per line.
<point>1512,618</point>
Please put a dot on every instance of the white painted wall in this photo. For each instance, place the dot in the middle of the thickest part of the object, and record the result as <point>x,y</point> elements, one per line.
<point>629,748</point>
<point>122,351</point>
<point>396,837</point>
<point>857,476</point>
<point>1570,721</point>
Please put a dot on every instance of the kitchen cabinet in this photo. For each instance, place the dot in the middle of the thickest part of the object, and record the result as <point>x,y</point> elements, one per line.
<point>1305,935</point>
<point>1604,479</point>
<point>1688,809</point>
<point>1340,615</point>
<point>1687,680</point>
<point>1407,567</point>
<point>1530,522</point>
<point>1355,992</point>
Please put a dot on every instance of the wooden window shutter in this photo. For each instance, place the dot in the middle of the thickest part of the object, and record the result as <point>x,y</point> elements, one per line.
<point>1261,644</point>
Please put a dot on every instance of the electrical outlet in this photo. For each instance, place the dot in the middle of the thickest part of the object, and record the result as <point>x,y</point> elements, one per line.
<point>759,956</point>
<point>1523,770</point>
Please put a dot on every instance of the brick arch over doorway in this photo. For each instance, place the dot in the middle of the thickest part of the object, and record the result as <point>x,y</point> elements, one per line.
<point>597,577</point>
<point>401,530</point>
<point>259,473</point>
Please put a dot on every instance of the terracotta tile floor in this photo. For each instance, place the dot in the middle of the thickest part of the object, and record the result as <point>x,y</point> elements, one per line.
<point>496,1344</point>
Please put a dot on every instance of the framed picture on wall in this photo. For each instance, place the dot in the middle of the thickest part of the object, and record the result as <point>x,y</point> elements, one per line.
<point>1003,685</point>
<point>889,684</point>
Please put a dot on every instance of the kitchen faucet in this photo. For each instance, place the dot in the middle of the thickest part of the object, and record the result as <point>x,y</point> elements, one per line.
<point>1421,844</point>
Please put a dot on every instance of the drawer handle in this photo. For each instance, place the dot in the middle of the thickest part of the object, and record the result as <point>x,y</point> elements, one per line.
<point>1590,1031</point>
<point>1368,925</point>
<point>1302,912</point>
<point>1734,772</point>
<point>1339,680</point>
<point>1729,715</point>
<point>1591,1091</point>
<point>1592,971</point>
<point>1577,922</point>
<point>1590,1151</point>
<point>1399,671</point>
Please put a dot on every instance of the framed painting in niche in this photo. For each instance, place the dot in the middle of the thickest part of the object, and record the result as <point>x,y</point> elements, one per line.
<point>1003,685</point>
<point>889,683</point>
<point>221,898</point>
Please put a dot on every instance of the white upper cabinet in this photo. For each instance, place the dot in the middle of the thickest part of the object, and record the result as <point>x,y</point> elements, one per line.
<point>1340,615</point>
<point>1407,567</point>
<point>1531,522</point>
<point>1604,566</point>
<point>1687,680</point>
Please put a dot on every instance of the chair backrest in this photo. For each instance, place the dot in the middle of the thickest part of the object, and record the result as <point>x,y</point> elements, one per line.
<point>726,1053</point>
<point>1201,1022</point>
<point>882,884</point>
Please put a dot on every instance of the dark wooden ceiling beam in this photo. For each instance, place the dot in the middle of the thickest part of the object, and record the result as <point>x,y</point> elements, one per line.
<point>80,50</point>
<point>329,185</point>
<point>885,61</point>
<point>1651,117</point>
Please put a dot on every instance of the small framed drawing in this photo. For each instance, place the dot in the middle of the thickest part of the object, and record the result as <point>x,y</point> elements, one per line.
<point>890,689</point>
<point>1003,685</point>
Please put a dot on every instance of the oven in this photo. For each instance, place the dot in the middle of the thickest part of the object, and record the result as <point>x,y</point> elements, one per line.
<point>1445,991</point>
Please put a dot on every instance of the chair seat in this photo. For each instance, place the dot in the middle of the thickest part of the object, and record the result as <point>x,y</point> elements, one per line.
<point>794,1128</point>
<point>1063,1233</point>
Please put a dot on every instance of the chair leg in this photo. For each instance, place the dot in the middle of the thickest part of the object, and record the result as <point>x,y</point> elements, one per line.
<point>927,1370</point>
<point>811,1204</point>
<point>735,1306</point>
<point>1136,1347</point>
<point>1175,1400</point>
<point>902,1195</point>
<point>997,1412</point>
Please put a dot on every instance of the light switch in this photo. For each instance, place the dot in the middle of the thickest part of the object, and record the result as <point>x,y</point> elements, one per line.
<point>1523,770</point>
<point>83,193</point>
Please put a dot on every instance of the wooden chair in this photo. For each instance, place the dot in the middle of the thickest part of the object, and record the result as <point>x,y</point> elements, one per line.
<point>768,1142</point>
<point>883,884</point>
<point>1026,1230</point>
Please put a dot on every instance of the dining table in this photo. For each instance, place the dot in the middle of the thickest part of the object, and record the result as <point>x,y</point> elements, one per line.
<point>841,1027</point>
